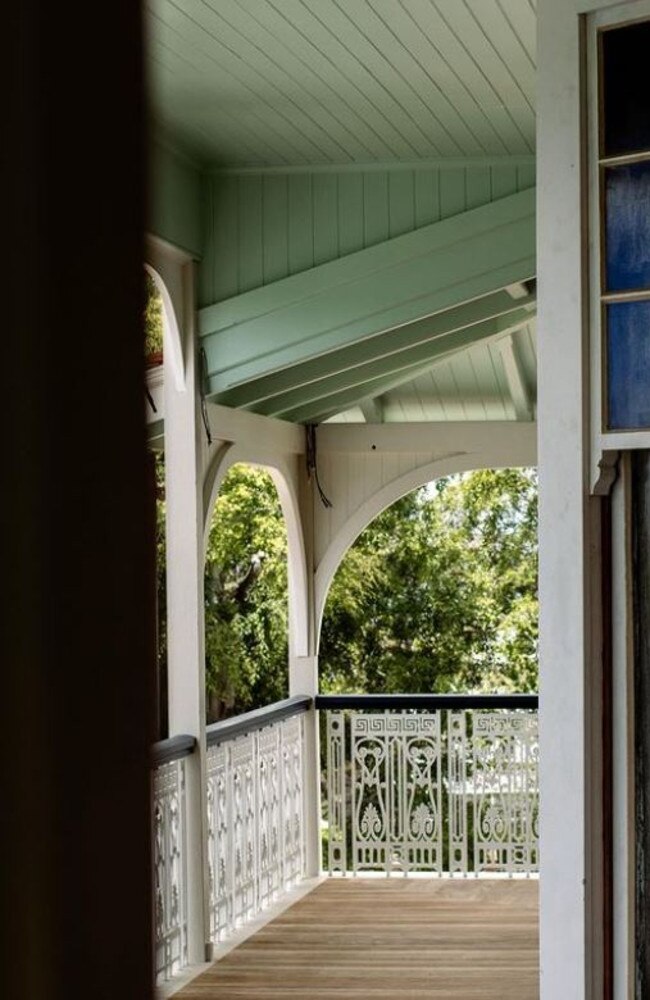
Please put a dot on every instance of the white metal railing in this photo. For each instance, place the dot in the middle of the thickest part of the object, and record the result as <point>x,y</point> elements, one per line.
<point>169,856</point>
<point>256,829</point>
<point>441,784</point>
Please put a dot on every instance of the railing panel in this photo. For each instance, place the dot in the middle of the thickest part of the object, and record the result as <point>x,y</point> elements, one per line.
<point>255,821</point>
<point>447,791</point>
<point>170,900</point>
<point>505,753</point>
<point>396,782</point>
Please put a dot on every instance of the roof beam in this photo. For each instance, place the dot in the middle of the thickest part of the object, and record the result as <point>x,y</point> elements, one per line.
<point>517,386</point>
<point>364,294</point>
<point>372,409</point>
<point>391,366</point>
<point>372,348</point>
<point>327,406</point>
<point>466,436</point>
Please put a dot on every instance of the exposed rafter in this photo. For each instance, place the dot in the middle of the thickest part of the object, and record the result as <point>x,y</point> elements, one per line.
<point>517,386</point>
<point>392,345</point>
<point>344,302</point>
<point>372,409</point>
<point>327,406</point>
<point>396,368</point>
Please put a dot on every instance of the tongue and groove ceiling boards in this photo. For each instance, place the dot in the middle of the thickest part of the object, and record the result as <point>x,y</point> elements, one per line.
<point>367,200</point>
<point>290,82</point>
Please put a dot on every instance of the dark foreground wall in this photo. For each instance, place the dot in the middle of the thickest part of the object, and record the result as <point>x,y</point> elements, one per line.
<point>641,611</point>
<point>75,682</point>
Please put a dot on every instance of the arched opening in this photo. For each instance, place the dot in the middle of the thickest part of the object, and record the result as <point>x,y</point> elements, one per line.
<point>153,322</point>
<point>158,326</point>
<point>439,592</point>
<point>246,595</point>
<point>428,668</point>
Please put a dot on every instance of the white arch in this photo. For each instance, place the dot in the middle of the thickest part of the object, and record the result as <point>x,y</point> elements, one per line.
<point>387,495</point>
<point>281,474</point>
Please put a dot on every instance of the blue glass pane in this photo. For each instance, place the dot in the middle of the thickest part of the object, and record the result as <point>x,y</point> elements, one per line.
<point>626,95</point>
<point>628,365</point>
<point>627,227</point>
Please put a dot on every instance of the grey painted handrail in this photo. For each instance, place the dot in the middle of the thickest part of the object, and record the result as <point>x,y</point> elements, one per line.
<point>172,749</point>
<point>428,701</point>
<point>219,732</point>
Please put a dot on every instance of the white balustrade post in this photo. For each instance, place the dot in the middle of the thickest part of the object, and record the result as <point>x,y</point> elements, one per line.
<point>303,679</point>
<point>184,533</point>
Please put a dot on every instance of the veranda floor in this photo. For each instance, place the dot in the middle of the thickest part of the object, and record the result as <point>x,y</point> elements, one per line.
<point>394,939</point>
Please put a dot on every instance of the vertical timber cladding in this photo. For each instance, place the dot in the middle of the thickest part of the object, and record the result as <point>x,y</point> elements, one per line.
<point>640,461</point>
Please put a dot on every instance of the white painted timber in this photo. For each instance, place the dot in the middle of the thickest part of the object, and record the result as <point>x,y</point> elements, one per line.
<point>516,380</point>
<point>567,951</point>
<point>448,792</point>
<point>279,447</point>
<point>174,274</point>
<point>364,468</point>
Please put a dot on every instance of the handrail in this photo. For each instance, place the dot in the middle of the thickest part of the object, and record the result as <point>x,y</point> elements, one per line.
<point>219,732</point>
<point>426,701</point>
<point>173,748</point>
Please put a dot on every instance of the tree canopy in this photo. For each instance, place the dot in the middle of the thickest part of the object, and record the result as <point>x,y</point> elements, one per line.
<point>246,609</point>
<point>153,318</point>
<point>439,593</point>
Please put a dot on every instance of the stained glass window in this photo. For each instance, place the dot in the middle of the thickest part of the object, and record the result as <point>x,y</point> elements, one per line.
<point>625,199</point>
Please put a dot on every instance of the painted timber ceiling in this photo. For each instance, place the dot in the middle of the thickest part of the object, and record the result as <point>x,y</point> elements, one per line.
<point>245,83</point>
<point>366,201</point>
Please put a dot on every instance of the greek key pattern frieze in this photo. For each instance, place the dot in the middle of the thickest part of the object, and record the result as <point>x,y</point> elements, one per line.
<point>446,792</point>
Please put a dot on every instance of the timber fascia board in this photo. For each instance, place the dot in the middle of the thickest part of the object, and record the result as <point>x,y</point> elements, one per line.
<point>445,437</point>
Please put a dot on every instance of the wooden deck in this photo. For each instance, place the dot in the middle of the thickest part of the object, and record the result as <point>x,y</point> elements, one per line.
<point>389,939</point>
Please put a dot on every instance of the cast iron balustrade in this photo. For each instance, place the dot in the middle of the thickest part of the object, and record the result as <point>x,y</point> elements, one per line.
<point>256,850</point>
<point>169,857</point>
<point>445,784</point>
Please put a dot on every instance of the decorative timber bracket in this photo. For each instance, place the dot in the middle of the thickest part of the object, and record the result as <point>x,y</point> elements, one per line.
<point>607,473</point>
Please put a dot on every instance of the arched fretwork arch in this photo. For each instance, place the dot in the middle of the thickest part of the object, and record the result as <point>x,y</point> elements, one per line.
<point>377,500</point>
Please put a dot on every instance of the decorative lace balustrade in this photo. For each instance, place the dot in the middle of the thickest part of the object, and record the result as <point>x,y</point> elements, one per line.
<point>255,780</point>
<point>440,784</point>
<point>169,857</point>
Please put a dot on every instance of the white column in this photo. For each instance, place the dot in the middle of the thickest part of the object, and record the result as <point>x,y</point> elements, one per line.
<point>185,639</point>
<point>303,679</point>
<point>303,675</point>
<point>562,531</point>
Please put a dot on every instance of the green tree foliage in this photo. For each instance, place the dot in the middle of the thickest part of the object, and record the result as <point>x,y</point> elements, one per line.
<point>153,318</point>
<point>439,593</point>
<point>161,589</point>
<point>246,596</point>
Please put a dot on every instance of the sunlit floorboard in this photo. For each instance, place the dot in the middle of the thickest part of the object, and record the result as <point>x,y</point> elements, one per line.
<point>391,939</point>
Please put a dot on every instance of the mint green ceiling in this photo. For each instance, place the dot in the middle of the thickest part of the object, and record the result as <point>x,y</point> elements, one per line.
<point>357,179</point>
<point>317,342</point>
<point>472,384</point>
<point>258,83</point>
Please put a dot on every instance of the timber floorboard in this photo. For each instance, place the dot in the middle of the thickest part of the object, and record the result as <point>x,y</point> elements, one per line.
<point>388,939</point>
